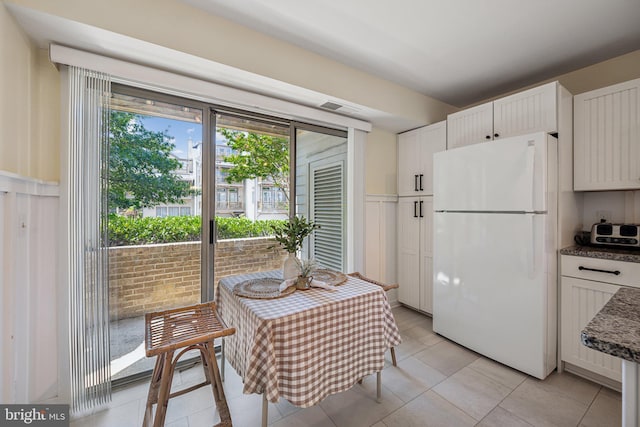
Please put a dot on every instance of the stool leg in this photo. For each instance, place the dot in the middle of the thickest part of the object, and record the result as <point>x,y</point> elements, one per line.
<point>221,400</point>
<point>222,360</point>
<point>208,370</point>
<point>165,388</point>
<point>154,386</point>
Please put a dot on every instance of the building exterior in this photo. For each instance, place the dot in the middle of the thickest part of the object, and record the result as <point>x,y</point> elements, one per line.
<point>256,199</point>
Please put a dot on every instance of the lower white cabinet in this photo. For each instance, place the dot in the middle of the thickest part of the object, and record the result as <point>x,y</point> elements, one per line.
<point>415,253</point>
<point>581,301</point>
<point>586,285</point>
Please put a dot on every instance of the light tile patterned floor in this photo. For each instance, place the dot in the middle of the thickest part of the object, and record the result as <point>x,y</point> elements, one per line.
<point>436,383</point>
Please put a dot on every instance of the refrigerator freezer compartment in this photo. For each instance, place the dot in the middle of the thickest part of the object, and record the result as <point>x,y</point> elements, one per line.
<point>508,175</point>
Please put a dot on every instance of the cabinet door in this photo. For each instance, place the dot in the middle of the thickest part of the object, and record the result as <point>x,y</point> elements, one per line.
<point>470,126</point>
<point>432,139</point>
<point>606,138</point>
<point>409,251</point>
<point>426,255</point>
<point>580,301</point>
<point>525,112</point>
<point>408,163</point>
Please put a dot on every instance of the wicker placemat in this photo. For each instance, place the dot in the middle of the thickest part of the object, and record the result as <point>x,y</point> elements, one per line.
<point>263,288</point>
<point>330,277</point>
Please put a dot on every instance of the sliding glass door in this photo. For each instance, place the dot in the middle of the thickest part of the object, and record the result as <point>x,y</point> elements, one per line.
<point>194,192</point>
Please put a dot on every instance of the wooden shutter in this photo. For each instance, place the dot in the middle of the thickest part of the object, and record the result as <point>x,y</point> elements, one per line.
<point>327,210</point>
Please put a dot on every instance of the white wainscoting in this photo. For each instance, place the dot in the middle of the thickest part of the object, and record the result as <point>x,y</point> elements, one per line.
<point>28,286</point>
<point>380,240</point>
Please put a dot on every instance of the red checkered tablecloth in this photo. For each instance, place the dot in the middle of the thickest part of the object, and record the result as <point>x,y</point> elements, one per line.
<point>310,344</point>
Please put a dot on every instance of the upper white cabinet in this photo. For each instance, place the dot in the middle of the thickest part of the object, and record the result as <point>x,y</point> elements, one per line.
<point>415,158</point>
<point>607,138</point>
<point>528,111</point>
<point>470,126</point>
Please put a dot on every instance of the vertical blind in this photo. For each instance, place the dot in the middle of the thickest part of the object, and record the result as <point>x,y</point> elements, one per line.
<point>89,94</point>
<point>328,212</point>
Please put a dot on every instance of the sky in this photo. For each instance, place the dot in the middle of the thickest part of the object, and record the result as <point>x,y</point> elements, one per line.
<point>183,133</point>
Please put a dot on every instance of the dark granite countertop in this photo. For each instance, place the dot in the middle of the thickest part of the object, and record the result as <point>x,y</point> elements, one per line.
<point>615,254</point>
<point>615,330</point>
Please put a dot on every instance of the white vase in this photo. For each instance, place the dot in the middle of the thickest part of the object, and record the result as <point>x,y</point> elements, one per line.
<point>290,267</point>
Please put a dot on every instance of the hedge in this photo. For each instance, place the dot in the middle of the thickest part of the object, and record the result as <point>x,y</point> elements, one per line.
<point>125,231</point>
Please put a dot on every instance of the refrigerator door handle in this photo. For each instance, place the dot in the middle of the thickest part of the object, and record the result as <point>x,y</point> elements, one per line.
<point>531,247</point>
<point>415,182</point>
<point>531,171</point>
<point>421,202</point>
<point>415,209</point>
<point>421,188</point>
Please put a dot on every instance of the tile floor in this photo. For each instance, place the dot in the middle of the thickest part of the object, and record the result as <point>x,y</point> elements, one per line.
<point>436,383</point>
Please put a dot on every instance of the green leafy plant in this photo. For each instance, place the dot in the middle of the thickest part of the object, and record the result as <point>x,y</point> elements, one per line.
<point>142,170</point>
<point>292,233</point>
<point>306,266</point>
<point>258,156</point>
<point>124,231</point>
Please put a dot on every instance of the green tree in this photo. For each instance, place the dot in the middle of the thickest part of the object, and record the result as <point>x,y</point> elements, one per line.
<point>141,168</point>
<point>258,156</point>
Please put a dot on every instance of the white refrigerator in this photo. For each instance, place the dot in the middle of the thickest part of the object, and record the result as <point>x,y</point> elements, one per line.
<point>494,260</point>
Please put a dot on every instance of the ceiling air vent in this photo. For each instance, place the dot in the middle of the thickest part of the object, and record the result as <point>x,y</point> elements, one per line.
<point>331,106</point>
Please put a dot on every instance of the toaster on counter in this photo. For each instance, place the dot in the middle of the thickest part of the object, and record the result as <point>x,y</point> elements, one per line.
<point>625,235</point>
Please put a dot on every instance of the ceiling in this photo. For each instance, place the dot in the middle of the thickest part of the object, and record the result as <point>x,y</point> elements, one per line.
<point>457,51</point>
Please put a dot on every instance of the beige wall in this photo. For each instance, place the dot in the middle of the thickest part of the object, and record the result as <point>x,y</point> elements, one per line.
<point>35,123</point>
<point>17,59</point>
<point>616,70</point>
<point>29,96</point>
<point>607,73</point>
<point>30,91</point>
<point>381,163</point>
<point>177,25</point>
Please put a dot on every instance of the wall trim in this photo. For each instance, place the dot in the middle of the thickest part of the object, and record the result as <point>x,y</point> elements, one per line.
<point>14,183</point>
<point>387,198</point>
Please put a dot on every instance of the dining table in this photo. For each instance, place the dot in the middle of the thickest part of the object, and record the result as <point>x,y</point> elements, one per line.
<point>308,344</point>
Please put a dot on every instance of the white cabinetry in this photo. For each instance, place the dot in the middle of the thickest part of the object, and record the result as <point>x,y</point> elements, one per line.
<point>415,213</point>
<point>607,138</point>
<point>528,111</point>
<point>415,158</point>
<point>415,255</point>
<point>587,284</point>
<point>470,126</point>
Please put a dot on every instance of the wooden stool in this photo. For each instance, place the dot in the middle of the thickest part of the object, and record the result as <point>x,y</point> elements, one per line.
<point>386,288</point>
<point>187,328</point>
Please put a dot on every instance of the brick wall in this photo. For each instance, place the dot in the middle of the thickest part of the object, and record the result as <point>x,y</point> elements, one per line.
<point>157,277</point>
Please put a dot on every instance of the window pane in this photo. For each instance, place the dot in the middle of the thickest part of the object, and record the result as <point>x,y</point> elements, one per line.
<point>155,168</point>
<point>249,154</point>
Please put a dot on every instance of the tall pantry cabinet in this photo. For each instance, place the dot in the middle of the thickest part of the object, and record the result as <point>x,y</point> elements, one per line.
<point>415,213</point>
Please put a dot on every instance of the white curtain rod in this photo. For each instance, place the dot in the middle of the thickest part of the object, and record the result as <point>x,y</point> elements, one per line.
<point>177,84</point>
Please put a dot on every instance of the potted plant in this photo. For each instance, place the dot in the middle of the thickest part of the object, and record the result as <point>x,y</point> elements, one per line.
<point>291,235</point>
<point>305,268</point>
